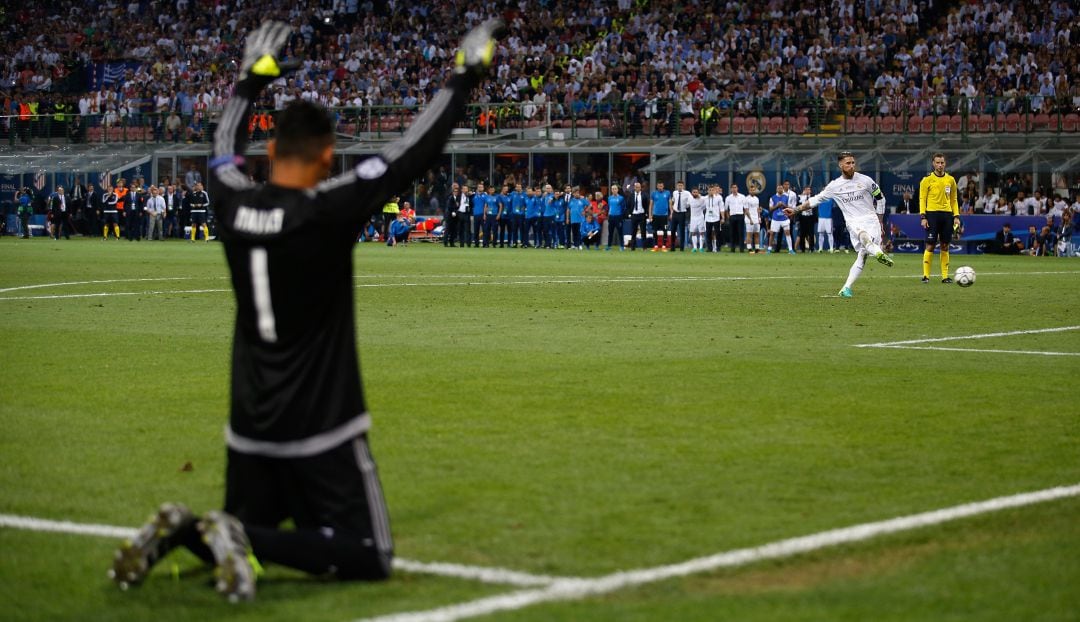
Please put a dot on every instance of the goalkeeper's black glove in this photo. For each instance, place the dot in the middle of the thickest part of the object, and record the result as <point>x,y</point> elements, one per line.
<point>262,51</point>
<point>478,48</point>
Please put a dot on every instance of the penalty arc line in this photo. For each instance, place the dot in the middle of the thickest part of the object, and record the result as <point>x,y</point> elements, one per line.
<point>483,574</point>
<point>576,589</point>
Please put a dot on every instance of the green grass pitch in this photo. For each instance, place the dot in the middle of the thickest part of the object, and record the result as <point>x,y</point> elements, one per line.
<point>571,414</point>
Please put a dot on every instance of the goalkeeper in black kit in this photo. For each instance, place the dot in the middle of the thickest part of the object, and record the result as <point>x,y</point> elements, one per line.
<point>297,433</point>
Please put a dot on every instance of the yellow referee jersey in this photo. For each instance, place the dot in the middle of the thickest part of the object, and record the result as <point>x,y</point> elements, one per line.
<point>938,194</point>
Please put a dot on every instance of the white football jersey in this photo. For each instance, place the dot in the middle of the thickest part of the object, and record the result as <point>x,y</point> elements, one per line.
<point>856,197</point>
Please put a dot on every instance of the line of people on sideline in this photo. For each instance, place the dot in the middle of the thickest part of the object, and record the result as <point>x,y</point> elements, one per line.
<point>137,212</point>
<point>571,217</point>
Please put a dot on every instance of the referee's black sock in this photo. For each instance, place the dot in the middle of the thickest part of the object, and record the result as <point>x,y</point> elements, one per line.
<point>345,556</point>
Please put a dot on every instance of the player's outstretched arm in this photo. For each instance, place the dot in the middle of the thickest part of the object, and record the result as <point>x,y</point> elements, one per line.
<point>412,154</point>
<point>261,65</point>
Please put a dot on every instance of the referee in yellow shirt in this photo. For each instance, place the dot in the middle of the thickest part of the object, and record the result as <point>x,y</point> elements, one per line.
<point>940,213</point>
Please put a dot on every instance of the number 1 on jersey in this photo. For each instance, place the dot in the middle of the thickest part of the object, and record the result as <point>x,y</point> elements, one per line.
<point>260,281</point>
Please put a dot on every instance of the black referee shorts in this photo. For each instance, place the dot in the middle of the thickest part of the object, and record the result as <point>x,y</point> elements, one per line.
<point>338,488</point>
<point>939,228</point>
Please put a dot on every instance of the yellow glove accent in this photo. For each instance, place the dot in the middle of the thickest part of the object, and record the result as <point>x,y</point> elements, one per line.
<point>489,52</point>
<point>266,66</point>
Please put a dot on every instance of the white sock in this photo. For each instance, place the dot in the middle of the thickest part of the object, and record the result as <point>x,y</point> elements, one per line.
<point>856,269</point>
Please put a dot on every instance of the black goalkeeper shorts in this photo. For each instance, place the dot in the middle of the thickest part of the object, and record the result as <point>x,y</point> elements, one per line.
<point>337,489</point>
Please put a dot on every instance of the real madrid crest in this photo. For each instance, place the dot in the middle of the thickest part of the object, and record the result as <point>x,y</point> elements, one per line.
<point>755,182</point>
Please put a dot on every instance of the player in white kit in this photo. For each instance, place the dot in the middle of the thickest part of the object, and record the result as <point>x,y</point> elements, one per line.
<point>697,221</point>
<point>858,197</point>
<point>753,223</point>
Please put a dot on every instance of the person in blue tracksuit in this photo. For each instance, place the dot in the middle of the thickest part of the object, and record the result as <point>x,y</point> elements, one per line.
<point>399,231</point>
<point>659,208</point>
<point>616,202</point>
<point>557,235</point>
<point>517,217</point>
<point>547,216</point>
<point>479,202</point>
<point>578,206</point>
<point>534,208</point>
<point>491,218</point>
<point>503,217</point>
<point>590,232</point>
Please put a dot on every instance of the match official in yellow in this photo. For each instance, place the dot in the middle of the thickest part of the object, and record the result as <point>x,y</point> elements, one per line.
<point>939,213</point>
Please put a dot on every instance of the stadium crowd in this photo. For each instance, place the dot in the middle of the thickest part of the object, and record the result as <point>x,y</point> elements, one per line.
<point>654,61</point>
<point>662,63</point>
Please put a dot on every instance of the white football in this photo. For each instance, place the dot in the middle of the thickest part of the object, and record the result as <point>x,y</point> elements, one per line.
<point>965,276</point>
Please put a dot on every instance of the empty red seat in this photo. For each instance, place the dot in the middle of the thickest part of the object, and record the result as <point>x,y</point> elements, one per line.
<point>799,125</point>
<point>1070,122</point>
<point>1042,122</point>
<point>914,125</point>
<point>723,125</point>
<point>750,125</point>
<point>887,124</point>
<point>983,123</point>
<point>1012,122</point>
<point>956,123</point>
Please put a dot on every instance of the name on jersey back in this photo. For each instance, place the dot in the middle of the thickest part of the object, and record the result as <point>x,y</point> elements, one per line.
<point>259,222</point>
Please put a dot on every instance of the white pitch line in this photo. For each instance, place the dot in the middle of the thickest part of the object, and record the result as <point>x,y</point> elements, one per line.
<point>1036,352</point>
<point>42,285</point>
<point>111,294</point>
<point>576,589</point>
<point>540,280</point>
<point>483,574</point>
<point>886,344</point>
<point>30,523</point>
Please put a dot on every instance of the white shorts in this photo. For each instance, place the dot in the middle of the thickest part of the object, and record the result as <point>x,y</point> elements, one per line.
<point>697,226</point>
<point>775,226</point>
<point>753,227</point>
<point>824,225</point>
<point>870,225</point>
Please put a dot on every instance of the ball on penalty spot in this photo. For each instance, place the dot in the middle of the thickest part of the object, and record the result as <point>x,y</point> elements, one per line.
<point>965,276</point>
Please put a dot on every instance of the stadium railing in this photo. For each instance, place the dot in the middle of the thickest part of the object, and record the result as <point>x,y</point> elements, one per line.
<point>815,117</point>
